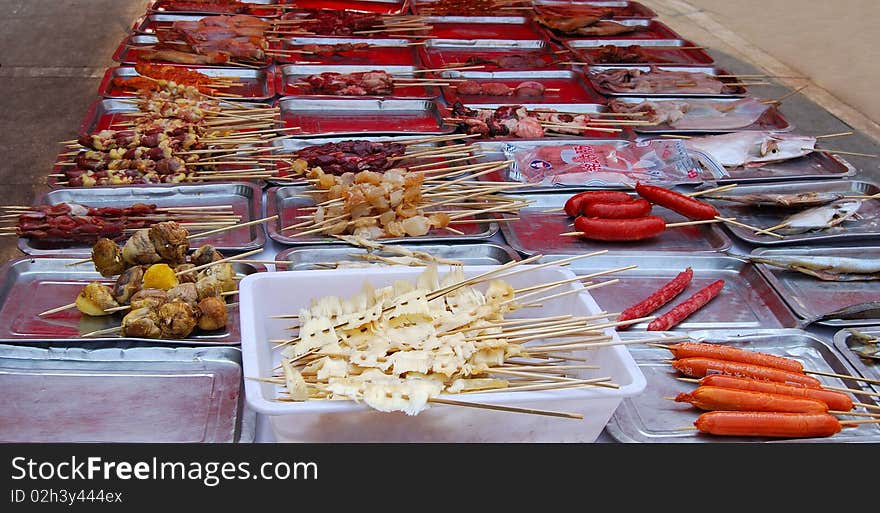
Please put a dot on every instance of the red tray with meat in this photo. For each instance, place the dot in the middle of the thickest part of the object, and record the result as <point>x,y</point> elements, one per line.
<point>483,27</point>
<point>488,54</point>
<point>601,10</point>
<point>638,51</point>
<point>653,81</point>
<point>548,86</point>
<point>336,51</point>
<point>338,117</point>
<point>245,84</point>
<point>371,6</point>
<point>620,28</point>
<point>348,81</point>
<point>255,8</point>
<point>469,7</point>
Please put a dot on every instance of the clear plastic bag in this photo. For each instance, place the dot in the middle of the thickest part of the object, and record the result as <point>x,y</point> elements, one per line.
<point>660,162</point>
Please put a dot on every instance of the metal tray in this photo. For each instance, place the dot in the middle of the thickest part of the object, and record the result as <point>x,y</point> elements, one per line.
<point>810,297</point>
<point>382,52</point>
<point>128,51</point>
<point>32,285</point>
<point>340,117</point>
<point>246,201</point>
<point>708,70</point>
<point>256,84</point>
<point>772,119</point>
<point>572,87</point>
<point>622,9</point>
<point>375,6</point>
<point>649,418</point>
<point>324,257</point>
<point>104,114</point>
<point>866,228</point>
<point>419,5</point>
<point>651,29</point>
<point>659,51</point>
<point>153,22</point>
<point>493,150</point>
<point>135,394</point>
<point>291,75</point>
<point>815,166</point>
<point>443,53</point>
<point>537,232</point>
<point>867,368</point>
<point>747,301</point>
<point>255,8</point>
<point>287,203</point>
<point>482,27</point>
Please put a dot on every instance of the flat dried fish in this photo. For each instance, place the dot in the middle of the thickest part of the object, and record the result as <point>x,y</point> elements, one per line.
<point>826,268</point>
<point>869,310</point>
<point>803,199</point>
<point>753,149</point>
<point>820,218</point>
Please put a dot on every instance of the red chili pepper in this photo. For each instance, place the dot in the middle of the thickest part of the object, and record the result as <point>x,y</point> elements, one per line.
<point>687,307</point>
<point>684,205</point>
<point>620,229</point>
<point>624,210</point>
<point>663,295</point>
<point>576,203</point>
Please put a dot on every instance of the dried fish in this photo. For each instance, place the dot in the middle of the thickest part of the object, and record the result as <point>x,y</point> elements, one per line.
<point>825,267</point>
<point>863,345</point>
<point>820,218</point>
<point>753,149</point>
<point>869,310</point>
<point>803,199</point>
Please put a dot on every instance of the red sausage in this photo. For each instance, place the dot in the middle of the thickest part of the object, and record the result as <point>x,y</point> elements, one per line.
<point>684,205</point>
<point>619,229</point>
<point>576,203</point>
<point>722,352</point>
<point>777,425</point>
<point>687,307</point>
<point>734,399</point>
<point>663,295</point>
<point>701,367</point>
<point>835,400</point>
<point>625,210</point>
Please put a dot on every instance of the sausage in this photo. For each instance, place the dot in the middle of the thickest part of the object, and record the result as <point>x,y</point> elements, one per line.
<point>733,354</point>
<point>620,229</point>
<point>733,399</point>
<point>701,367</point>
<point>575,203</point>
<point>835,400</point>
<point>769,424</point>
<point>663,295</point>
<point>684,205</point>
<point>623,210</point>
<point>687,307</point>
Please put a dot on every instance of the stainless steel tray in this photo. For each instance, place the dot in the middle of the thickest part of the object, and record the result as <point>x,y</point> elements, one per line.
<point>288,203</point>
<point>866,228</point>
<point>292,74</point>
<point>135,394</point>
<point>494,150</point>
<point>772,119</point>
<point>538,232</point>
<point>649,418</point>
<point>867,368</point>
<point>338,117</point>
<point>809,297</point>
<point>246,201</point>
<point>486,44</point>
<point>29,286</point>
<point>256,84</point>
<point>324,257</point>
<point>570,87</point>
<point>708,70</point>
<point>746,302</point>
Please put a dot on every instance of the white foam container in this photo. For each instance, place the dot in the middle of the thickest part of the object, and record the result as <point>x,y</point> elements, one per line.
<point>266,294</point>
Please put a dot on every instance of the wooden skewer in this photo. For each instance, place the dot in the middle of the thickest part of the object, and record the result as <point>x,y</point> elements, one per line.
<point>512,409</point>
<point>222,260</point>
<point>714,189</point>
<point>843,376</point>
<point>250,223</point>
<point>841,152</point>
<point>839,134</point>
<point>753,228</point>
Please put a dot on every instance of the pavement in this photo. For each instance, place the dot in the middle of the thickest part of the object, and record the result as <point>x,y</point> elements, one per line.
<point>53,54</point>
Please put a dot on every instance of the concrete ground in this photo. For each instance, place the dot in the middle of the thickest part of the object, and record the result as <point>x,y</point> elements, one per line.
<point>53,54</point>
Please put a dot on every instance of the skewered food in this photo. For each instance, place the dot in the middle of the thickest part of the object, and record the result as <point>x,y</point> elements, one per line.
<point>141,322</point>
<point>139,249</point>
<point>213,38</point>
<point>177,319</point>
<point>334,49</point>
<point>820,218</point>
<point>128,284</point>
<point>213,313</point>
<point>687,307</point>
<point>659,81</point>
<point>825,268</point>
<point>684,205</point>
<point>154,77</point>
<point>528,88</point>
<point>205,254</point>
<point>336,23</point>
<point>584,25</point>
<point>753,149</point>
<point>186,277</point>
<point>223,273</point>
<point>349,156</point>
<point>632,54</point>
<point>835,400</point>
<point>185,292</point>
<point>209,6</point>
<point>686,114</point>
<point>170,240</point>
<point>769,424</point>
<point>107,256</point>
<point>517,121</point>
<point>724,352</point>
<point>657,299</point>
<point>702,367</point>
<point>510,61</point>
<point>374,83</point>
<point>159,276</point>
<point>149,298</point>
<point>464,7</point>
<point>95,298</point>
<point>795,200</point>
<point>711,398</point>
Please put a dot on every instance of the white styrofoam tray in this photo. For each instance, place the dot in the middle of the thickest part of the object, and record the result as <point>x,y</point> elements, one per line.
<point>263,295</point>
